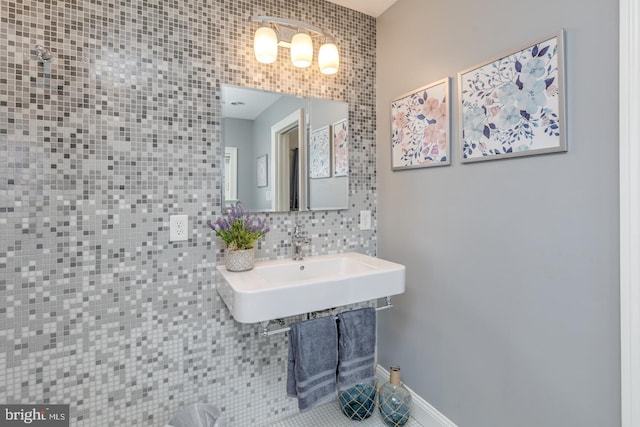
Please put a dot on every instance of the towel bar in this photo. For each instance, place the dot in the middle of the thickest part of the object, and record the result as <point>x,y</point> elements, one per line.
<point>265,325</point>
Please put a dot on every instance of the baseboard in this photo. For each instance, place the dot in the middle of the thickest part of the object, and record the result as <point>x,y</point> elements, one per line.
<point>421,410</point>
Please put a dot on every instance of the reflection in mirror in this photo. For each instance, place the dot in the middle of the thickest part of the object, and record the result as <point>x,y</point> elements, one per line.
<point>231,174</point>
<point>265,136</point>
<point>330,189</point>
<point>287,140</point>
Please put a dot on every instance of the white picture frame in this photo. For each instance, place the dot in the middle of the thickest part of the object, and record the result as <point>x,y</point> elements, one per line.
<point>320,153</point>
<point>261,171</point>
<point>341,148</point>
<point>513,105</point>
<point>421,127</point>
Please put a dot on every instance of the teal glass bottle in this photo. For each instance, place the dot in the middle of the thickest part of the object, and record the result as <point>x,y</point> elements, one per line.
<point>394,400</point>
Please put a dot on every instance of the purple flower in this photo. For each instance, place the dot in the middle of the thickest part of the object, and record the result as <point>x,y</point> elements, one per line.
<point>239,229</point>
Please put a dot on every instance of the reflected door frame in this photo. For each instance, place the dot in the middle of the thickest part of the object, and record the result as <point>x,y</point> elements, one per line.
<point>630,212</point>
<point>280,161</point>
<point>231,175</point>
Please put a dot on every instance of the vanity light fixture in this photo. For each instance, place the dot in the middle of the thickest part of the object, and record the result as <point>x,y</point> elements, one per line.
<point>298,37</point>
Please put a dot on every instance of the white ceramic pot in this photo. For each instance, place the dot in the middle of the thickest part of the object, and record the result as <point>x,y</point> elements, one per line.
<point>239,260</point>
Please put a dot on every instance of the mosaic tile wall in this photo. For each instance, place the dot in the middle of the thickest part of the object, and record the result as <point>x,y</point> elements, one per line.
<point>97,149</point>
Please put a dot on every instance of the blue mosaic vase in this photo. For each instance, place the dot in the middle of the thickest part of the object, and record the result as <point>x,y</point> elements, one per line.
<point>394,400</point>
<point>359,401</point>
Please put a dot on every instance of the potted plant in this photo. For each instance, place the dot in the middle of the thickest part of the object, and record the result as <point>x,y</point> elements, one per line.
<point>240,230</point>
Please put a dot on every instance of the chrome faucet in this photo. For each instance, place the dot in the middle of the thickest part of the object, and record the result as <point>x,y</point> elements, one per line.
<point>299,239</point>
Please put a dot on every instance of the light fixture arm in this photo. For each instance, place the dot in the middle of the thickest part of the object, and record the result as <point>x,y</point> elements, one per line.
<point>293,24</point>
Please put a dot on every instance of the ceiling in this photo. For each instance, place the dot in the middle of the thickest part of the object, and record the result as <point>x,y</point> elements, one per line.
<point>370,7</point>
<point>243,103</point>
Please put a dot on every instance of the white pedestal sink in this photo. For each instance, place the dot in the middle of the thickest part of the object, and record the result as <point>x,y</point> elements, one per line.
<point>281,288</point>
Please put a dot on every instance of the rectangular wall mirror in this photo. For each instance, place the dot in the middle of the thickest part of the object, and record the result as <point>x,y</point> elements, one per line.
<point>284,152</point>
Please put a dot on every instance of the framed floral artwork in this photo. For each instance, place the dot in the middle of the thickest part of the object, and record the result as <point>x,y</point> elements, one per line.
<point>420,127</point>
<point>341,148</point>
<point>514,105</point>
<point>320,153</point>
<point>261,171</point>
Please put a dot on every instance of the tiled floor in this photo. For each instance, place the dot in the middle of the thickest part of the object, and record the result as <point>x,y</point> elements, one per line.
<point>329,415</point>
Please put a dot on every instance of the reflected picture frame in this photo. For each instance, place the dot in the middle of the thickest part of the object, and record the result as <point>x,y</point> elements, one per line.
<point>320,153</point>
<point>341,148</point>
<point>421,127</point>
<point>261,171</point>
<point>514,105</point>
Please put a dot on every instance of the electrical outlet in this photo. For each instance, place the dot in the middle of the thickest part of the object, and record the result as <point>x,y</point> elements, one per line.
<point>365,220</point>
<point>178,228</point>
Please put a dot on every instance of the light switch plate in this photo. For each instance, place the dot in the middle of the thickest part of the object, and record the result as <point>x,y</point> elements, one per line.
<point>365,220</point>
<point>178,228</point>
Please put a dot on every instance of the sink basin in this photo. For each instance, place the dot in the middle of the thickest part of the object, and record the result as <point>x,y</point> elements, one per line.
<point>282,288</point>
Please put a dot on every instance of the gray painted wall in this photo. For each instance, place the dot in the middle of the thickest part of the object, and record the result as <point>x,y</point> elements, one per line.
<point>511,315</point>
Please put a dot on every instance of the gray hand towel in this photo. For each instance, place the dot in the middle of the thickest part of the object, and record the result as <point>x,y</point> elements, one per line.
<point>356,347</point>
<point>312,362</point>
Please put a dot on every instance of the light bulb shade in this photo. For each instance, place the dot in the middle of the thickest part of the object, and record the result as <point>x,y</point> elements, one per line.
<point>328,58</point>
<point>301,50</point>
<point>265,45</point>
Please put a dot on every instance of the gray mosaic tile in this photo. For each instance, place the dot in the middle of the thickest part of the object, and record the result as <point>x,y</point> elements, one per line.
<point>97,308</point>
<point>330,414</point>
